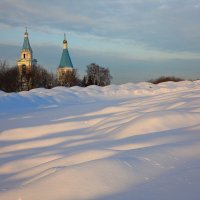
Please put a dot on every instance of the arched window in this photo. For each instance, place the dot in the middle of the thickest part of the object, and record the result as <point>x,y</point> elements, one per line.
<point>24,55</point>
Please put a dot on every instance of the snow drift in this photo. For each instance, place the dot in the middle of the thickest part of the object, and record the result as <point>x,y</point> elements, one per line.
<point>132,141</point>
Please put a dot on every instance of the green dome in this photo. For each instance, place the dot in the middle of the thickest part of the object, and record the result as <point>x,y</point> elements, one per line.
<point>65,60</point>
<point>26,44</point>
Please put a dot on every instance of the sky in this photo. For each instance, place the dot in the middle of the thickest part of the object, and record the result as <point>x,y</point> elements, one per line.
<point>137,40</point>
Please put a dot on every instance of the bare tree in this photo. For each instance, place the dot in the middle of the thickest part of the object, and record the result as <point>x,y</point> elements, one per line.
<point>3,69</point>
<point>40,77</point>
<point>69,79</point>
<point>12,81</point>
<point>97,75</point>
<point>9,77</point>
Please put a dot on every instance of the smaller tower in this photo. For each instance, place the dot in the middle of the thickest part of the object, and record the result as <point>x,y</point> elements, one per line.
<point>65,65</point>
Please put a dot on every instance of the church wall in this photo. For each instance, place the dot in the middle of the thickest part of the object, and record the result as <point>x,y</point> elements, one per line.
<point>61,73</point>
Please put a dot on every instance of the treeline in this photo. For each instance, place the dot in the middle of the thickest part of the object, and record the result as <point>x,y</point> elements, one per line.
<point>165,79</point>
<point>169,78</point>
<point>11,80</point>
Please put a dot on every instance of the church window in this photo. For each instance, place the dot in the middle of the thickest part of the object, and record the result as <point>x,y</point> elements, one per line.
<point>24,55</point>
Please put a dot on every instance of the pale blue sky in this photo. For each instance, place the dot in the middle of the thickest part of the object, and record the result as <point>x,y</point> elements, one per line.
<point>137,39</point>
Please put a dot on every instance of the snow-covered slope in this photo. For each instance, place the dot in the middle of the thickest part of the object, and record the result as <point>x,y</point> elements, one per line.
<point>132,141</point>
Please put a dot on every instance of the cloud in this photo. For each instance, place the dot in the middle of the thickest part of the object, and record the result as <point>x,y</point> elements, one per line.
<point>161,24</point>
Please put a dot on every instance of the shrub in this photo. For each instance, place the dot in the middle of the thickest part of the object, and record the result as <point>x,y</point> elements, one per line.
<point>165,79</point>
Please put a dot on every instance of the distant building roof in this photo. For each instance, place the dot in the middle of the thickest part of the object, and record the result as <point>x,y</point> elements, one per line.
<point>65,60</point>
<point>26,44</point>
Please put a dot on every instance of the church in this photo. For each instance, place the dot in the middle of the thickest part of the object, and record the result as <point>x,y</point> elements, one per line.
<point>65,65</point>
<point>26,62</point>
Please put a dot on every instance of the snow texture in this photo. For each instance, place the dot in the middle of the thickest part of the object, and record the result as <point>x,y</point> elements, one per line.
<point>132,141</point>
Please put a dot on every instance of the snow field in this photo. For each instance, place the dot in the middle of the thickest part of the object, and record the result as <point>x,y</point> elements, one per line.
<point>133,141</point>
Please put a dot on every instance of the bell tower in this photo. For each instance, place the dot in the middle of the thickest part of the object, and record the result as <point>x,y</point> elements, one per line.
<point>26,62</point>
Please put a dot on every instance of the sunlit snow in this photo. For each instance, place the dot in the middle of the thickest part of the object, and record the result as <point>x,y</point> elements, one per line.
<point>132,141</point>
